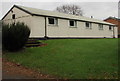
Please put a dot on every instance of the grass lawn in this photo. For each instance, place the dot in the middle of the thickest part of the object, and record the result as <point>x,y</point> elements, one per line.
<point>72,58</point>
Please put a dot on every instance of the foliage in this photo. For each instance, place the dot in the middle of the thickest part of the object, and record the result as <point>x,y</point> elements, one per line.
<point>14,36</point>
<point>72,58</point>
<point>70,9</point>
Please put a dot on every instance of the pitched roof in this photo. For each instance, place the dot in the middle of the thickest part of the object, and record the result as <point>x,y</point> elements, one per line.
<point>113,18</point>
<point>39,12</point>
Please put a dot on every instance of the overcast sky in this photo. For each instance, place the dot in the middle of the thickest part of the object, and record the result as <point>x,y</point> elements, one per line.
<point>98,9</point>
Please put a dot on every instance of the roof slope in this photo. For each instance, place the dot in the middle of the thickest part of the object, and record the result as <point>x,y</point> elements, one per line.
<point>34,11</point>
<point>113,18</point>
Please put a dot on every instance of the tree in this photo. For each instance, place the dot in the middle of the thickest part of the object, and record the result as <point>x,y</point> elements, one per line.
<point>70,9</point>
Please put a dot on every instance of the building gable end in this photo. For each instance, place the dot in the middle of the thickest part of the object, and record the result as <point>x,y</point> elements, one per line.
<point>18,8</point>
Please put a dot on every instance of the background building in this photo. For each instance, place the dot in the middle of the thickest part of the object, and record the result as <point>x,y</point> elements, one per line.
<point>115,21</point>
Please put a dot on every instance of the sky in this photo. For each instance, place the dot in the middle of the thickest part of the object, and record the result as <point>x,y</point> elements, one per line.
<point>99,9</point>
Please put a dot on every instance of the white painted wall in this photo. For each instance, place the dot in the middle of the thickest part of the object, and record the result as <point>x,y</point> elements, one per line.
<point>38,26</point>
<point>64,30</point>
<point>19,14</point>
<point>20,17</point>
<point>116,32</point>
<point>35,23</point>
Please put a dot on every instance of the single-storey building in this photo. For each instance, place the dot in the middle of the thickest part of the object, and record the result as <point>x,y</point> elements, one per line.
<point>49,24</point>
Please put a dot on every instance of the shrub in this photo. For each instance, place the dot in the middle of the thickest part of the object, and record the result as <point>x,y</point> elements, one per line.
<point>14,36</point>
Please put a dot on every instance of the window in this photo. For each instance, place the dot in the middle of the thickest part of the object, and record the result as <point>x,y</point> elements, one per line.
<point>12,11</point>
<point>88,25</point>
<point>100,26</point>
<point>53,21</point>
<point>72,23</point>
<point>13,16</point>
<point>110,27</point>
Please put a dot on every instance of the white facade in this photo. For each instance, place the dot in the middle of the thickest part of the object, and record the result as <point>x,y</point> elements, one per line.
<point>40,26</point>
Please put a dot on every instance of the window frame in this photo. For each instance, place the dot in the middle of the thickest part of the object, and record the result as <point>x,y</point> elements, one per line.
<point>75,23</point>
<point>13,16</point>
<point>88,25</point>
<point>55,21</point>
<point>100,26</point>
<point>110,27</point>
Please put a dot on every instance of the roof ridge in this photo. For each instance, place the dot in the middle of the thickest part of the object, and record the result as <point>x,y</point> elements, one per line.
<point>113,18</point>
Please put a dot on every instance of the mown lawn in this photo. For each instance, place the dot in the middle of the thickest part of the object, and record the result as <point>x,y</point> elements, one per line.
<point>72,58</point>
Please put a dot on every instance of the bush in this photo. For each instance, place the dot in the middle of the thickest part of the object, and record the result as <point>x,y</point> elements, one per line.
<point>14,36</point>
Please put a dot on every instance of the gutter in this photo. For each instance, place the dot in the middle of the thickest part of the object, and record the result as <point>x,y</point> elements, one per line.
<point>74,19</point>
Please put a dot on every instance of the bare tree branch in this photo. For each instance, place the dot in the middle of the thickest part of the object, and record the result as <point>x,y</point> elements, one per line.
<point>70,9</point>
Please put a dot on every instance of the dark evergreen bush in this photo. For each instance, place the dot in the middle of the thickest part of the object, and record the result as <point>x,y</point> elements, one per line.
<point>14,36</point>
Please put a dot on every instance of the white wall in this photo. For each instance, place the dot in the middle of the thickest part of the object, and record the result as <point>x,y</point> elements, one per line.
<point>116,32</point>
<point>20,16</point>
<point>35,23</point>
<point>38,26</point>
<point>64,30</point>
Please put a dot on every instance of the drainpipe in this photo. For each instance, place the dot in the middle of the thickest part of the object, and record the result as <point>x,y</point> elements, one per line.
<point>45,29</point>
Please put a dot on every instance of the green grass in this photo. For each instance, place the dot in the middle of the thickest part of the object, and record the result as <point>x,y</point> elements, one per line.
<point>72,58</point>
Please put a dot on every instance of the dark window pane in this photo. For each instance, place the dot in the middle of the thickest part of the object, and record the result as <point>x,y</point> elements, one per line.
<point>51,20</point>
<point>13,16</point>
<point>71,23</point>
<point>87,24</point>
<point>110,28</point>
